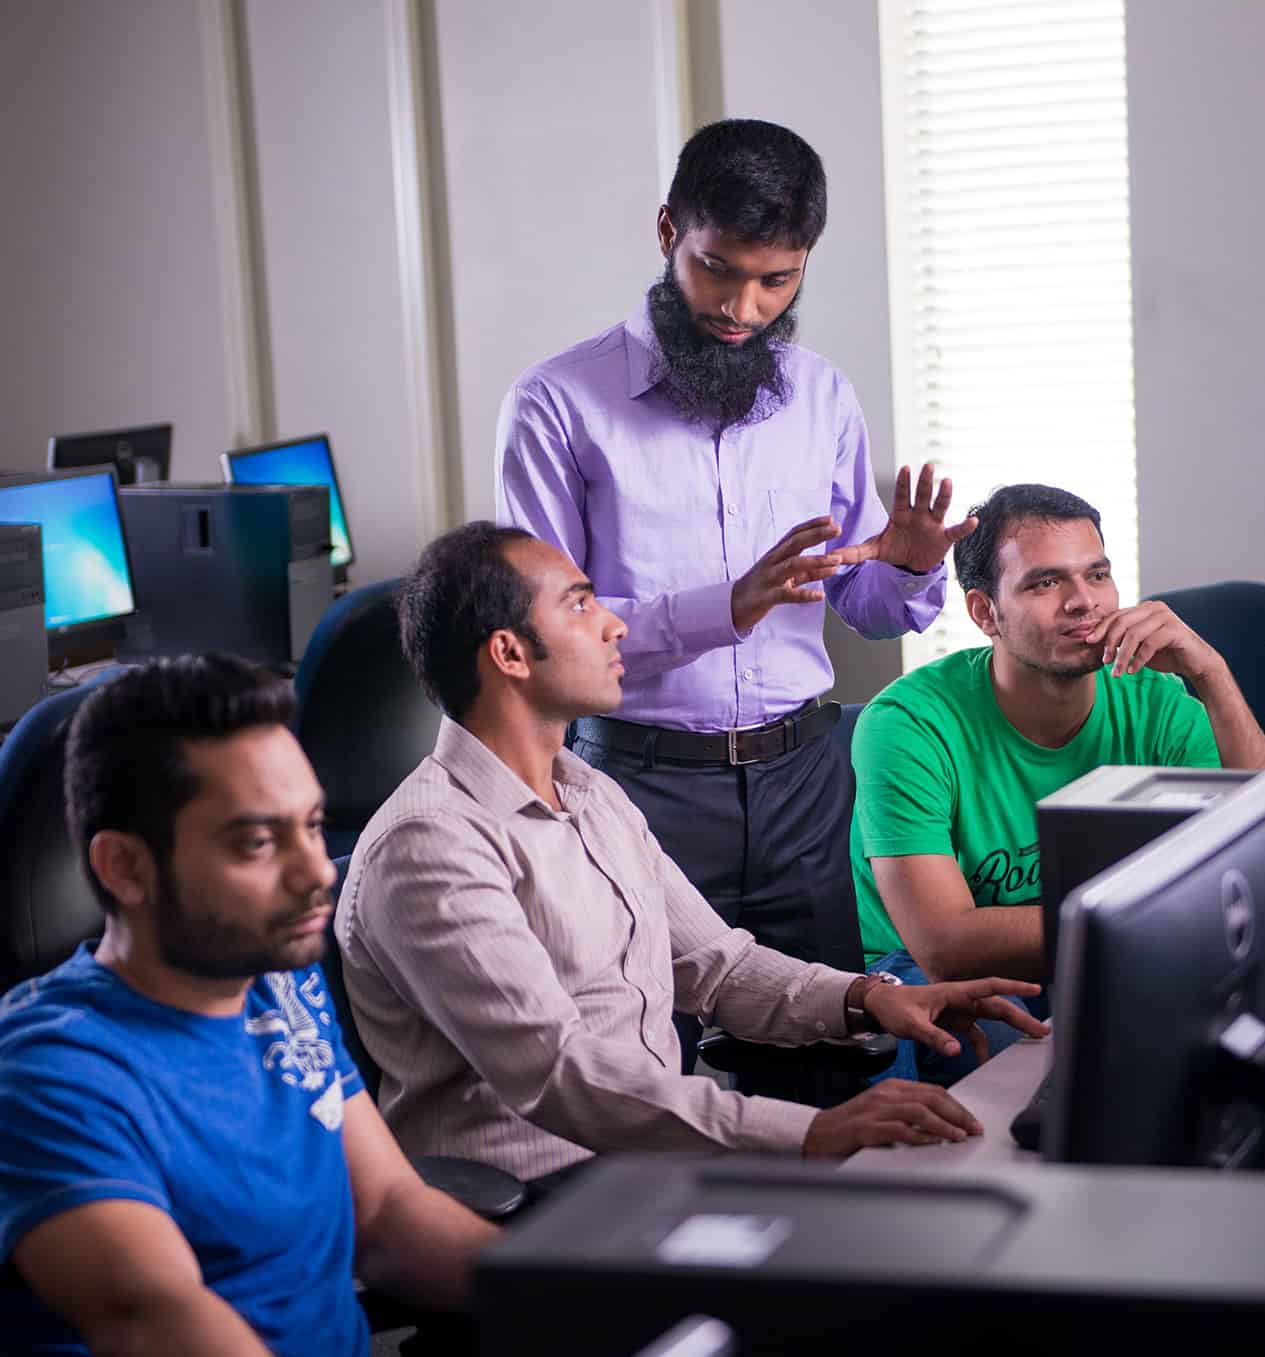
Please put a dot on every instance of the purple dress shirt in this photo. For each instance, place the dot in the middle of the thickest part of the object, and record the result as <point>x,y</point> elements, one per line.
<point>664,516</point>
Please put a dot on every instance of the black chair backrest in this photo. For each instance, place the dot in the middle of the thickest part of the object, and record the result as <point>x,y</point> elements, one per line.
<point>363,718</point>
<point>47,907</point>
<point>1230,616</point>
<point>333,968</point>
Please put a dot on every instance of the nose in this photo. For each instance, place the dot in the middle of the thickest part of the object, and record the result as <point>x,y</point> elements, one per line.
<point>743,306</point>
<point>310,868</point>
<point>1079,598</point>
<point>614,628</point>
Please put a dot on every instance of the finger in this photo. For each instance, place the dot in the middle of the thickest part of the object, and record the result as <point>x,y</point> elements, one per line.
<point>895,1132</point>
<point>1014,1016</point>
<point>807,534</point>
<point>921,1029</point>
<point>922,496</point>
<point>961,530</point>
<point>900,495</point>
<point>930,1107</point>
<point>792,593</point>
<point>988,985</point>
<point>979,1042</point>
<point>941,505</point>
<point>861,551</point>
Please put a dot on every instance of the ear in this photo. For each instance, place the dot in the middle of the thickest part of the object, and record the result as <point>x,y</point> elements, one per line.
<point>124,865</point>
<point>666,230</point>
<point>507,654</point>
<point>982,610</point>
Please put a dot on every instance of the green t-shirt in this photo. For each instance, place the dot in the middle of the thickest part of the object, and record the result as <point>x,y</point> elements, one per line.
<point>940,770</point>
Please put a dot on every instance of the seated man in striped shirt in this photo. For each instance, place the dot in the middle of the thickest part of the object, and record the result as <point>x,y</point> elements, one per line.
<point>515,939</point>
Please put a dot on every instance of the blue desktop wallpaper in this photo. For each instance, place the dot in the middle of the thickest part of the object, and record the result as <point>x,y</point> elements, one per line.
<point>85,562</point>
<point>299,464</point>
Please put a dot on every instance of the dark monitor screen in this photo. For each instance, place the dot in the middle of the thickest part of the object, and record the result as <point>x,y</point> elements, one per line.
<point>302,461</point>
<point>1161,978</point>
<point>138,455</point>
<point>87,573</point>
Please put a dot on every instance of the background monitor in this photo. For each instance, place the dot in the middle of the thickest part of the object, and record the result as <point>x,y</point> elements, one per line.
<point>1161,1000</point>
<point>138,455</point>
<point>87,572</point>
<point>301,461</point>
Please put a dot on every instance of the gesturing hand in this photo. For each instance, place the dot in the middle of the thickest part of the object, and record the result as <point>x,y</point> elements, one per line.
<point>915,537</point>
<point>931,1013</point>
<point>778,575</point>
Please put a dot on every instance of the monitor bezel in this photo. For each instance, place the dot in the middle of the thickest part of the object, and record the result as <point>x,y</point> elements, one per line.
<point>72,642</point>
<point>227,460</point>
<point>133,431</point>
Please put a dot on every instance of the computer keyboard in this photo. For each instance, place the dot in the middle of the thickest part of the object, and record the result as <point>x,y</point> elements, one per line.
<point>1025,1126</point>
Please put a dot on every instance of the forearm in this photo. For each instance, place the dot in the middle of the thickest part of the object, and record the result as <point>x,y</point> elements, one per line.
<point>673,629</point>
<point>207,1327</point>
<point>880,601</point>
<point>421,1247</point>
<point>997,940</point>
<point>1240,740</point>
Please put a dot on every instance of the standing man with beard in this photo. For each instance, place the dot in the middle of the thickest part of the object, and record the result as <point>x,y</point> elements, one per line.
<point>714,480</point>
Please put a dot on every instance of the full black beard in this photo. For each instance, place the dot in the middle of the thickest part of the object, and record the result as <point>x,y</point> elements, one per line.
<point>711,383</point>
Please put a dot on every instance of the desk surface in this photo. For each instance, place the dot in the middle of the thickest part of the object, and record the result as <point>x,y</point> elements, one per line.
<point>993,1094</point>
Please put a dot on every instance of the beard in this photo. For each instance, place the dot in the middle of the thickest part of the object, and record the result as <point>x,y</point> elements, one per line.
<point>215,948</point>
<point>709,382</point>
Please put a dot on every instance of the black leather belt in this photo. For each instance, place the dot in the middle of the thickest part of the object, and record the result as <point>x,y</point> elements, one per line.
<point>756,744</point>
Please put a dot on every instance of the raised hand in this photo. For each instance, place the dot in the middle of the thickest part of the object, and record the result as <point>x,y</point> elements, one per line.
<point>780,574</point>
<point>915,537</point>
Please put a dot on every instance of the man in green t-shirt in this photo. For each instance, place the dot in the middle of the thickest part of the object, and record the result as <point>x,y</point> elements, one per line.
<point>952,758</point>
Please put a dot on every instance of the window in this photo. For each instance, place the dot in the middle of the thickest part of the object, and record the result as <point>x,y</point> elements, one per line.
<point>1006,158</point>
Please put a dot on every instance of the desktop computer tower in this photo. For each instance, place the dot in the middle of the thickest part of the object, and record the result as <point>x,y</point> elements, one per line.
<point>1102,817</point>
<point>23,640</point>
<point>242,568</point>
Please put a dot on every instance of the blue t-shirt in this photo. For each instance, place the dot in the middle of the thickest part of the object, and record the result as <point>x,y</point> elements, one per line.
<point>233,1126</point>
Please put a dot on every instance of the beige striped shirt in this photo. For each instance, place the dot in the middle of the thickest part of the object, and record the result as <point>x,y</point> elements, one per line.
<point>513,970</point>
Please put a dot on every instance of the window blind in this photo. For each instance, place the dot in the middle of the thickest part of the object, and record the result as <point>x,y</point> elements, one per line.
<point>1006,160</point>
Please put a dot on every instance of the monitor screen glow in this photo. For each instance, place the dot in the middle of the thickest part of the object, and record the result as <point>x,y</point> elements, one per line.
<point>86,574</point>
<point>306,461</point>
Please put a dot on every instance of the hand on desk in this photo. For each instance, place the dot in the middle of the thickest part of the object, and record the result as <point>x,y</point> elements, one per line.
<point>896,1111</point>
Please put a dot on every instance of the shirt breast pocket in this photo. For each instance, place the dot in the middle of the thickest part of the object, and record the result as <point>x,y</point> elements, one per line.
<point>791,506</point>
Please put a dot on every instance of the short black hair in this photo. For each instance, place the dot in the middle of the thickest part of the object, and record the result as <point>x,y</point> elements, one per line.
<point>461,591</point>
<point>125,763</point>
<point>975,557</point>
<point>750,179</point>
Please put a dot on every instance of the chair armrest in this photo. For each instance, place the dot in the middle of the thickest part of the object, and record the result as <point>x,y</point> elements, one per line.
<point>864,1056</point>
<point>489,1192</point>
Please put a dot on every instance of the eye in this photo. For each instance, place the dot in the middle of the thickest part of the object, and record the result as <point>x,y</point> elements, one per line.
<point>714,266</point>
<point>580,604</point>
<point>1101,576</point>
<point>255,844</point>
<point>776,281</point>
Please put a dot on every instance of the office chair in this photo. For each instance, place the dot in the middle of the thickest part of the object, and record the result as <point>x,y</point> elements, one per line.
<point>491,1192</point>
<point>362,717</point>
<point>810,1074</point>
<point>1230,616</point>
<point>47,907</point>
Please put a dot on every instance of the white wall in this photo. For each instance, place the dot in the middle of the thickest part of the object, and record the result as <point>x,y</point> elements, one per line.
<point>262,217</point>
<point>112,305</point>
<point>1197,184</point>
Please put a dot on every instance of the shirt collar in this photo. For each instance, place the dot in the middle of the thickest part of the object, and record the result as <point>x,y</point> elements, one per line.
<point>494,785</point>
<point>643,349</point>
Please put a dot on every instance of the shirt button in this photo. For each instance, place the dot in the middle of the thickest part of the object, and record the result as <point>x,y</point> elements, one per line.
<point>821,1026</point>
<point>732,510</point>
<point>748,674</point>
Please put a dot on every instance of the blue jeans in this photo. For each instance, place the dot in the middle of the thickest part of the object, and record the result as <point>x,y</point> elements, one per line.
<point>916,1061</point>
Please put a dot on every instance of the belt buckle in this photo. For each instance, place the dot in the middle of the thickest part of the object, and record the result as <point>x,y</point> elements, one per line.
<point>734,760</point>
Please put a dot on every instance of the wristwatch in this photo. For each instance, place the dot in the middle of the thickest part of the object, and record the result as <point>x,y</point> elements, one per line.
<point>858,1020</point>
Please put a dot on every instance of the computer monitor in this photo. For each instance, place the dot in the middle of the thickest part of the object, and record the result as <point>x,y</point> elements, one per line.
<point>1160,1022</point>
<point>300,461</point>
<point>138,455</point>
<point>1103,816</point>
<point>87,570</point>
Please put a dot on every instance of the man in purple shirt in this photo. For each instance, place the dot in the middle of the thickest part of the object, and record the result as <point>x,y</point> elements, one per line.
<point>714,481</point>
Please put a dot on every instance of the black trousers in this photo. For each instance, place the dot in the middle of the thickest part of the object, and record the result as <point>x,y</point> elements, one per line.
<point>767,845</point>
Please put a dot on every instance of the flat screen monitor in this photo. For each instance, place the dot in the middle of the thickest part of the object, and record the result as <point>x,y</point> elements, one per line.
<point>1160,1022</point>
<point>87,571</point>
<point>138,455</point>
<point>301,461</point>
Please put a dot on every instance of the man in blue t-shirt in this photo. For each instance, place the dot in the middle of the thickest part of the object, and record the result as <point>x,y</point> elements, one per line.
<point>188,1157</point>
